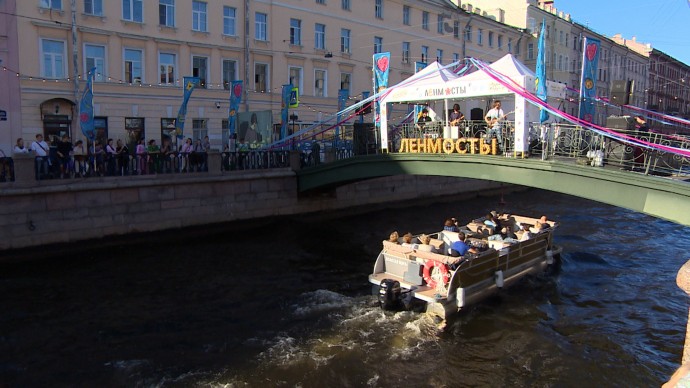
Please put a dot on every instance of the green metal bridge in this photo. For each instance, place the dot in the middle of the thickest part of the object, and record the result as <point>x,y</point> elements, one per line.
<point>666,197</point>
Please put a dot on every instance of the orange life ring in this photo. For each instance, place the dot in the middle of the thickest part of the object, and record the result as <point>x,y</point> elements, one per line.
<point>430,267</point>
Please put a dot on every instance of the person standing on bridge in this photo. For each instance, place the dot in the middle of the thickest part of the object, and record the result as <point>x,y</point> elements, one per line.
<point>493,121</point>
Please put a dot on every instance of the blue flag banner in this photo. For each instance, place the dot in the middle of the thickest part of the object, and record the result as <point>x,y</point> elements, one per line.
<point>541,72</point>
<point>284,105</point>
<point>235,100</point>
<point>418,66</point>
<point>381,70</point>
<point>189,84</point>
<point>343,95</point>
<point>590,60</point>
<point>86,107</point>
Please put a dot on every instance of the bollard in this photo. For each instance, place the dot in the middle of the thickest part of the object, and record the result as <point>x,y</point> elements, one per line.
<point>213,162</point>
<point>24,169</point>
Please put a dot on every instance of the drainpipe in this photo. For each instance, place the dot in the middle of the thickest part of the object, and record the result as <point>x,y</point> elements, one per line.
<point>75,57</point>
<point>246,56</point>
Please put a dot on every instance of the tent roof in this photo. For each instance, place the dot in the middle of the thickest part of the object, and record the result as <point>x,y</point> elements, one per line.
<point>508,66</point>
<point>432,73</point>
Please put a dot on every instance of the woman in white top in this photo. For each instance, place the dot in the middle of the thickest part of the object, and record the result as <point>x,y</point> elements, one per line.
<point>19,147</point>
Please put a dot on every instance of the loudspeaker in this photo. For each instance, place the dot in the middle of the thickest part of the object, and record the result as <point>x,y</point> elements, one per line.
<point>363,135</point>
<point>620,92</point>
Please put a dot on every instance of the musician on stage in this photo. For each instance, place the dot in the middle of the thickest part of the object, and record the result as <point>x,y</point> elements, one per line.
<point>493,120</point>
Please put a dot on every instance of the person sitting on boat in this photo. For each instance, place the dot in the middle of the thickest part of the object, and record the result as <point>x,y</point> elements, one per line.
<point>394,237</point>
<point>490,220</point>
<point>505,235</point>
<point>451,225</point>
<point>426,244</point>
<point>460,248</point>
<point>526,233</point>
<point>407,240</point>
<point>542,224</point>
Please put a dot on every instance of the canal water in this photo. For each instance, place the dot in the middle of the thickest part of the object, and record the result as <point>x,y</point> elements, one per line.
<point>285,302</point>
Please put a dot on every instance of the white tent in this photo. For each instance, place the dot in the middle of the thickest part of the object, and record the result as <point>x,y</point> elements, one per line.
<point>472,86</point>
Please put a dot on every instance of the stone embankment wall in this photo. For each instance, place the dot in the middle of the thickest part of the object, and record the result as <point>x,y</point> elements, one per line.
<point>70,210</point>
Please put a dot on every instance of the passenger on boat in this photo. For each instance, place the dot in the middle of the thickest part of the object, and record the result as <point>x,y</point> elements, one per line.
<point>490,220</point>
<point>543,223</point>
<point>426,244</point>
<point>407,240</point>
<point>394,237</point>
<point>526,234</point>
<point>505,235</point>
<point>460,248</point>
<point>451,225</point>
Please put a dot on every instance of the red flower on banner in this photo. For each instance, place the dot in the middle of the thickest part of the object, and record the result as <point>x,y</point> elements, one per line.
<point>237,90</point>
<point>382,63</point>
<point>83,117</point>
<point>591,51</point>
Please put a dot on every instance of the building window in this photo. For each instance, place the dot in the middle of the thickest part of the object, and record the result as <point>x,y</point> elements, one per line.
<point>378,44</point>
<point>456,57</point>
<point>425,20</point>
<point>52,4</point>
<point>320,1</point>
<point>199,16</point>
<point>260,26</point>
<point>93,7</point>
<point>166,13</point>
<point>439,24</point>
<point>199,128</point>
<point>567,39</point>
<point>136,131</point>
<point>320,36</point>
<point>200,69</point>
<point>406,52</point>
<point>510,45</point>
<point>425,53</point>
<point>479,36</point>
<point>439,55</point>
<point>345,4</point>
<point>53,54</point>
<point>345,41</point>
<point>406,15</point>
<point>456,29</point>
<point>133,10</point>
<point>167,68</point>
<point>133,66</point>
<point>229,21</point>
<point>491,39</point>
<point>378,9</point>
<point>320,82</point>
<point>530,50</point>
<point>260,77</point>
<point>517,48</point>
<point>345,81</point>
<point>229,72</point>
<point>468,33</point>
<point>295,76</point>
<point>296,32</point>
<point>500,42</point>
<point>94,56</point>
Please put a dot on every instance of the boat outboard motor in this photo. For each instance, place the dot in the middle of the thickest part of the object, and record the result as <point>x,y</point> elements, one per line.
<point>389,294</point>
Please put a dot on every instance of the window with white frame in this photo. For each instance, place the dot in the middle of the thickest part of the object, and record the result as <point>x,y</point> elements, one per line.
<point>229,26</point>
<point>480,37</point>
<point>53,54</point>
<point>133,66</point>
<point>296,32</point>
<point>320,1</point>
<point>199,16</point>
<point>406,52</point>
<point>229,72</point>
<point>468,33</point>
<point>425,20</point>
<point>133,11</point>
<point>378,44</point>
<point>439,24</point>
<point>491,39</point>
<point>320,36</point>
<point>456,29</point>
<point>378,9</point>
<point>439,55</point>
<point>261,26</point>
<point>530,50</point>
<point>456,57</point>
<point>199,129</point>
<point>345,4</point>
<point>406,15</point>
<point>52,4</point>
<point>345,41</point>
<point>510,45</point>
<point>320,82</point>
<point>166,13</point>
<point>425,53</point>
<point>345,81</point>
<point>295,76</point>
<point>167,64</point>
<point>499,42</point>
<point>261,77</point>
<point>93,7</point>
<point>94,56</point>
<point>200,69</point>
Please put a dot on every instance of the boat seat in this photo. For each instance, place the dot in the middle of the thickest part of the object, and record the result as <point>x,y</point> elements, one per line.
<point>426,248</point>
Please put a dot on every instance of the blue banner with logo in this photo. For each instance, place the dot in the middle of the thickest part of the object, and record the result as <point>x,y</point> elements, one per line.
<point>381,69</point>
<point>86,107</point>
<point>418,66</point>
<point>235,100</point>
<point>189,83</point>
<point>540,81</point>
<point>343,95</point>
<point>284,105</point>
<point>590,60</point>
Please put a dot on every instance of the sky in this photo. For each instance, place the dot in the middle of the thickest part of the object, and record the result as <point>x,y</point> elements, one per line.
<point>663,23</point>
